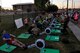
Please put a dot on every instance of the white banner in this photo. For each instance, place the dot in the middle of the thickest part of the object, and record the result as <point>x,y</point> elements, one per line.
<point>19,23</point>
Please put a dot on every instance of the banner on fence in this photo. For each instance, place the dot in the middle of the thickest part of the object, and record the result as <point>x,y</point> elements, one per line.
<point>19,23</point>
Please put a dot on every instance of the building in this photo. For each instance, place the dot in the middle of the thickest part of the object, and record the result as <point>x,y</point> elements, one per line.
<point>24,7</point>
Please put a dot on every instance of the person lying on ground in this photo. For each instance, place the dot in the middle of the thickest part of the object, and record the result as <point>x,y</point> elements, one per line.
<point>30,28</point>
<point>36,31</point>
<point>10,39</point>
<point>38,24</point>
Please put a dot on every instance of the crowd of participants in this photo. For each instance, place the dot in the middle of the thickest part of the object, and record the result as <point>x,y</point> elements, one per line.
<point>36,26</point>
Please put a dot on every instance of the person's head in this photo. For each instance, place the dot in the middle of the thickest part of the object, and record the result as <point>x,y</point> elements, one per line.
<point>57,15</point>
<point>49,20</point>
<point>35,31</point>
<point>33,25</point>
<point>65,16</point>
<point>4,31</point>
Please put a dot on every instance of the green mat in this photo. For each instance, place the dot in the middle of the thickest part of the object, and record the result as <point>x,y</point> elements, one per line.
<point>4,48</point>
<point>55,31</point>
<point>58,24</point>
<point>24,35</point>
<point>52,38</point>
<point>46,50</point>
<point>57,27</point>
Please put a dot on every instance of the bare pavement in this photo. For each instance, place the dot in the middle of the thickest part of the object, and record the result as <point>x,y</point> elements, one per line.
<point>75,29</point>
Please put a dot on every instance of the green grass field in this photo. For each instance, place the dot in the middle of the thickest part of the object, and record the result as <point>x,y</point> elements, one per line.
<point>64,48</point>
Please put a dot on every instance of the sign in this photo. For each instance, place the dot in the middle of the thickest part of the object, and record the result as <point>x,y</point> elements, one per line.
<point>19,23</point>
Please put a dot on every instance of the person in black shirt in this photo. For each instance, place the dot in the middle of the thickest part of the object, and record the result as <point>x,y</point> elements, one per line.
<point>30,28</point>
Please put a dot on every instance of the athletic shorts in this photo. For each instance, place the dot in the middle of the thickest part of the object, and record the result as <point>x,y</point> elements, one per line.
<point>12,41</point>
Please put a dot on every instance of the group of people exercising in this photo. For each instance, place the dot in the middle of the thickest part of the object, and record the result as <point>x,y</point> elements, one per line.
<point>35,28</point>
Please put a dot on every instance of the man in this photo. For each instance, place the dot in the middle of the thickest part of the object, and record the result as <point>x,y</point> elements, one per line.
<point>30,28</point>
<point>36,31</point>
<point>10,39</point>
<point>66,21</point>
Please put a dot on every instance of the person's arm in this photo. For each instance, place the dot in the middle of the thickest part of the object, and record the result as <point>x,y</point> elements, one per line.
<point>6,39</point>
<point>38,30</point>
<point>12,35</point>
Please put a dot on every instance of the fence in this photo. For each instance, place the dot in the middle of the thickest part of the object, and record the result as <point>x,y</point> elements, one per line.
<point>7,20</point>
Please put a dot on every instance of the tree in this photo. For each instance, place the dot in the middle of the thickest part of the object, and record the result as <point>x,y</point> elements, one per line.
<point>41,4</point>
<point>52,8</point>
<point>45,5</point>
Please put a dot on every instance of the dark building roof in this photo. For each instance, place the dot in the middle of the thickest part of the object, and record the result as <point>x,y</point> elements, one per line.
<point>23,4</point>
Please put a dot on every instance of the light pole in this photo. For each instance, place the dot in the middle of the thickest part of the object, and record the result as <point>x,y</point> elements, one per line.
<point>67,6</point>
<point>72,4</point>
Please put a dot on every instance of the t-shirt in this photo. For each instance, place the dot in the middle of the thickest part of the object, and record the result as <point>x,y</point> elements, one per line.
<point>29,30</point>
<point>6,36</point>
<point>76,16</point>
<point>39,25</point>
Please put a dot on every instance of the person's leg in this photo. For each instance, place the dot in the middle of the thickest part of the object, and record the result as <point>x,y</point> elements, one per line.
<point>19,42</point>
<point>32,45</point>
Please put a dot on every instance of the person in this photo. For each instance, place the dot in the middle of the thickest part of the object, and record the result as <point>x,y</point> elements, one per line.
<point>76,16</point>
<point>30,28</point>
<point>66,21</point>
<point>38,24</point>
<point>62,18</point>
<point>10,39</point>
<point>26,22</point>
<point>36,31</point>
<point>39,18</point>
<point>45,23</point>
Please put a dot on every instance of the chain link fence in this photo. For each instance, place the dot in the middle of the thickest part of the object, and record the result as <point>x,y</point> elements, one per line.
<point>7,20</point>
